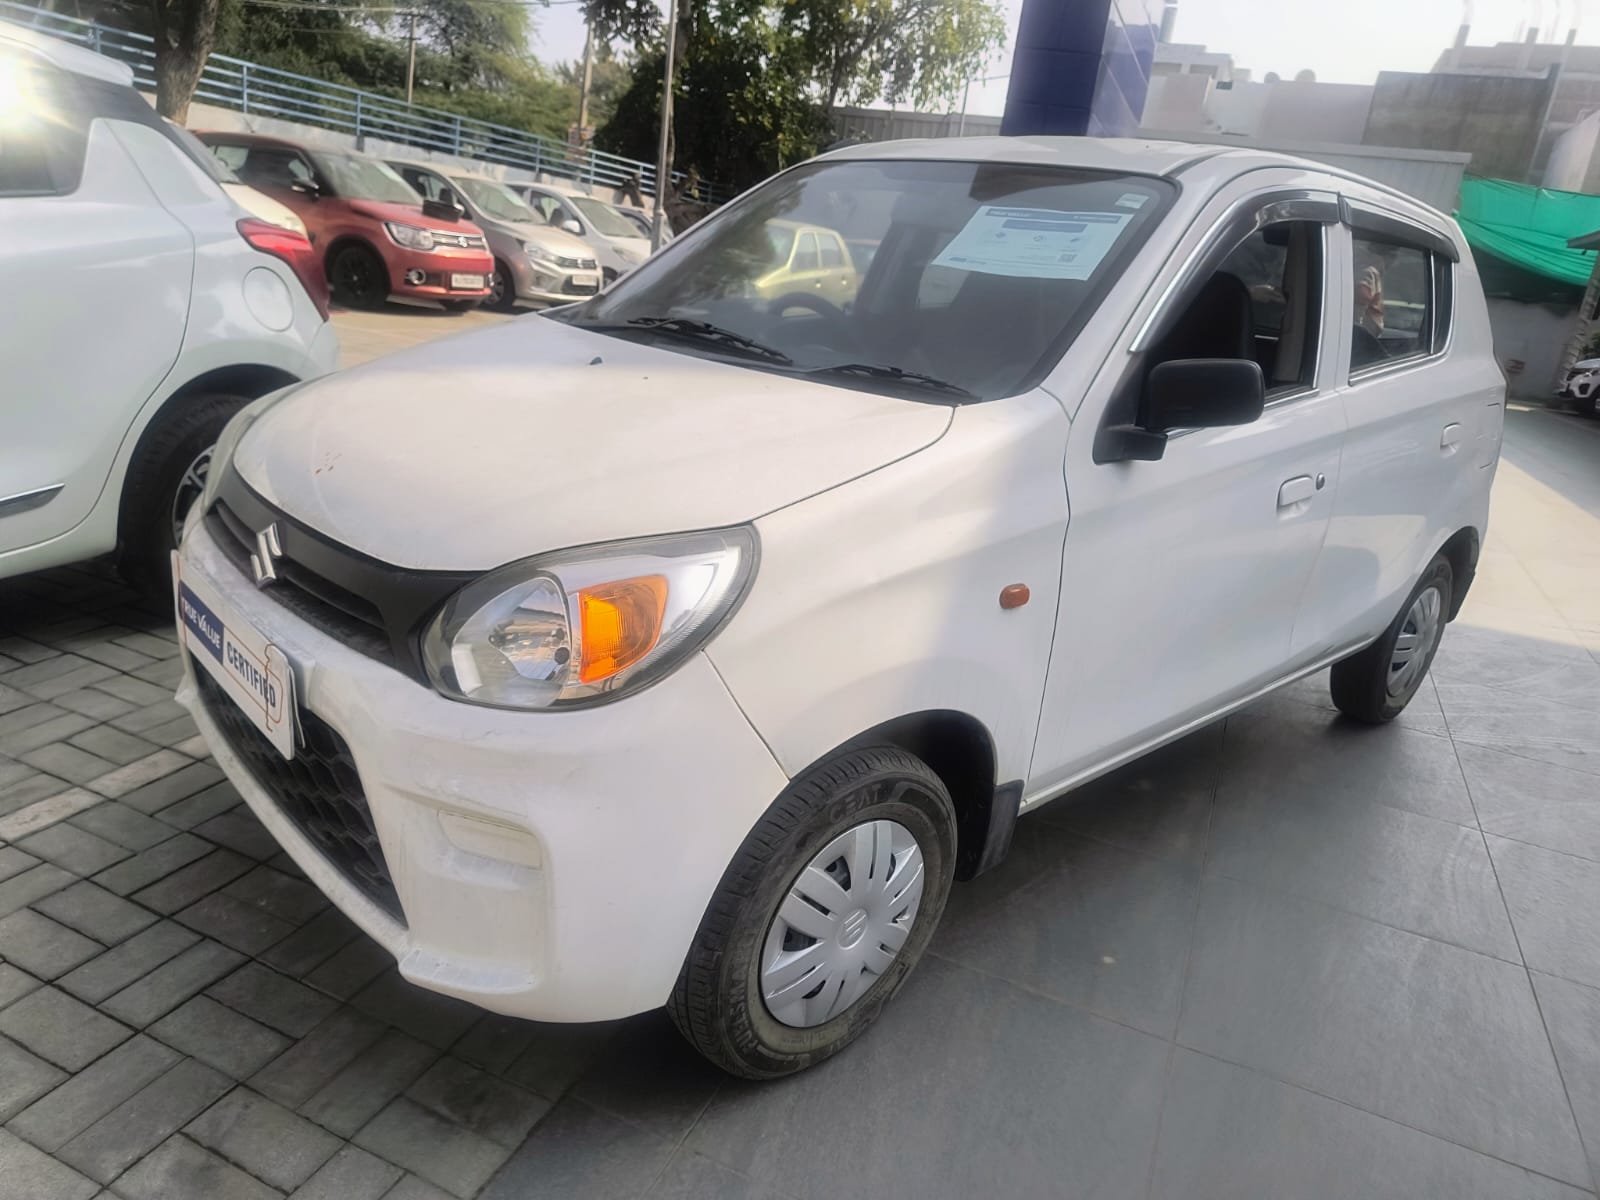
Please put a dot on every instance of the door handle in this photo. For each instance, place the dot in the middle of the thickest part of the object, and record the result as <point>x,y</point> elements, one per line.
<point>1296,491</point>
<point>1452,434</point>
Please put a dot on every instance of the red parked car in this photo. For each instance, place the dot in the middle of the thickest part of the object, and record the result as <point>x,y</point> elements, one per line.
<point>377,237</point>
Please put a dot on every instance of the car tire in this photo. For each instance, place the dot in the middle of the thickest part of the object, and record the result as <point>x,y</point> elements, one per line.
<point>457,307</point>
<point>1375,685</point>
<point>502,289</point>
<point>166,476</point>
<point>358,276</point>
<point>879,806</point>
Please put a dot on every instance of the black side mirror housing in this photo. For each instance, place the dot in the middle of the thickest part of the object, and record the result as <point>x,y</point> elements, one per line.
<point>443,209</point>
<point>1187,393</point>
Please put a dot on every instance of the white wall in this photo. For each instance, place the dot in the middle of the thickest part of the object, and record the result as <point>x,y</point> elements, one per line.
<point>1534,335</point>
<point>1304,112</point>
<point>1572,158</point>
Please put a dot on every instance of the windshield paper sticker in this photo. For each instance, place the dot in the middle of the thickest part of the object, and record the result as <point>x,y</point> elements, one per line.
<point>1035,243</point>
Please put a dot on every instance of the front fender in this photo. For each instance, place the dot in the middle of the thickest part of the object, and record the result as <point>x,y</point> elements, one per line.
<point>880,598</point>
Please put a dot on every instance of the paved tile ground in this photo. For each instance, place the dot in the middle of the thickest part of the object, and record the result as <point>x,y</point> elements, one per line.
<point>369,334</point>
<point>1284,957</point>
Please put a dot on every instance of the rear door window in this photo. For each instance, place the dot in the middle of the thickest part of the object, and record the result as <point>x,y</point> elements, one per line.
<point>1393,309</point>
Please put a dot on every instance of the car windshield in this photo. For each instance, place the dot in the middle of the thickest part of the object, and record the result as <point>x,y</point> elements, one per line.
<point>908,276</point>
<point>496,200</point>
<point>361,178</point>
<point>604,218</point>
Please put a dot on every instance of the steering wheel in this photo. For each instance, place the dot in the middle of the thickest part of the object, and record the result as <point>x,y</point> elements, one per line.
<point>838,333</point>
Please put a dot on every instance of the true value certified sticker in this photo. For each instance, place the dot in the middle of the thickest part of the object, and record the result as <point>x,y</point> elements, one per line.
<point>254,672</point>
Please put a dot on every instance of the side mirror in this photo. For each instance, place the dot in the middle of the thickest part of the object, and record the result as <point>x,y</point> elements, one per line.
<point>1203,393</point>
<point>307,187</point>
<point>1187,393</point>
<point>570,224</point>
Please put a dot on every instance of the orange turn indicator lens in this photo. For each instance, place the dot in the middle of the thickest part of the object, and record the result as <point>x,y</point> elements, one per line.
<point>621,622</point>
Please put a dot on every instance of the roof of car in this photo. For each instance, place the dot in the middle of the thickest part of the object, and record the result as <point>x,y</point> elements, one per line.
<point>1120,154</point>
<point>67,56</point>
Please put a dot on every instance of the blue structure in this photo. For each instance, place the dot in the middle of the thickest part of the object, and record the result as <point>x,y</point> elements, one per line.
<point>1081,66</point>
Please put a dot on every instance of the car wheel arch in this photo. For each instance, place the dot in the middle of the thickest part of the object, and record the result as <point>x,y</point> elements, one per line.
<point>960,749</point>
<point>1461,548</point>
<point>250,380</point>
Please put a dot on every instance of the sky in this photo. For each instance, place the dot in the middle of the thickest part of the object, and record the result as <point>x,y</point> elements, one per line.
<point>1343,41</point>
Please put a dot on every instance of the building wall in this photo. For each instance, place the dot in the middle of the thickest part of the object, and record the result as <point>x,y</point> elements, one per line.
<point>886,125</point>
<point>1574,165</point>
<point>1281,110</point>
<point>1577,92</point>
<point>1081,66</point>
<point>1534,336</point>
<point>1497,119</point>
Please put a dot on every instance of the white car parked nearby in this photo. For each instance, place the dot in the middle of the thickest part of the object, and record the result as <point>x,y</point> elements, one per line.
<point>141,307</point>
<point>693,649</point>
<point>615,240</point>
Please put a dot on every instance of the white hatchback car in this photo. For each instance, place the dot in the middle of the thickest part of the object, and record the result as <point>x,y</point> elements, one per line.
<point>141,307</point>
<point>617,242</point>
<point>694,648</point>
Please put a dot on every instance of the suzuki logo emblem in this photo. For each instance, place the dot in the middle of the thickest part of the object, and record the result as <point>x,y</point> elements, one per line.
<point>263,563</point>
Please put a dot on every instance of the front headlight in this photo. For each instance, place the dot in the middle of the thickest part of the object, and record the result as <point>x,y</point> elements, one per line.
<point>539,254</point>
<point>584,626</point>
<point>410,236</point>
<point>232,432</point>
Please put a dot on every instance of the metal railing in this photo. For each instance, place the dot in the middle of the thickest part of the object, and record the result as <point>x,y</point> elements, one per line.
<point>257,90</point>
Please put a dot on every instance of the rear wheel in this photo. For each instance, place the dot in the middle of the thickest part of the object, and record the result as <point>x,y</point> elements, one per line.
<point>1375,685</point>
<point>164,480</point>
<point>826,907</point>
<point>357,276</point>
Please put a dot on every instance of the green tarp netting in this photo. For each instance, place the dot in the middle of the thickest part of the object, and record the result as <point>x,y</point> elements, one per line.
<point>1529,227</point>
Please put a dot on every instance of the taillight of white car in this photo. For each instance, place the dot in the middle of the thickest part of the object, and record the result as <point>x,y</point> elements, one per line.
<point>293,248</point>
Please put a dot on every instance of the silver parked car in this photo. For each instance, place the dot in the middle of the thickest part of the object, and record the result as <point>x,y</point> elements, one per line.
<point>532,260</point>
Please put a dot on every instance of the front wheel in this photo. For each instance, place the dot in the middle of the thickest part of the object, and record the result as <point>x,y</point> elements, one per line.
<point>165,478</point>
<point>1375,685</point>
<point>502,289</point>
<point>827,906</point>
<point>357,276</point>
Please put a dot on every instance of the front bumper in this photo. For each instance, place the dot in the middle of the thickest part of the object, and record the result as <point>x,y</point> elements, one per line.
<point>553,866</point>
<point>437,266</point>
<point>557,285</point>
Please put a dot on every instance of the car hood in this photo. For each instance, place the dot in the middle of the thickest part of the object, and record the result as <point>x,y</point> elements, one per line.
<point>534,435</point>
<point>548,237</point>
<point>411,214</point>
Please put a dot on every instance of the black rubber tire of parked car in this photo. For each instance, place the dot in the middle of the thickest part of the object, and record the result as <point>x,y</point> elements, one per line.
<point>175,441</point>
<point>717,1003</point>
<point>358,276</point>
<point>503,289</point>
<point>1360,683</point>
<point>1588,406</point>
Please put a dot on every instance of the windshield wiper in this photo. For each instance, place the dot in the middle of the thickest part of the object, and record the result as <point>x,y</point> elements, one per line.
<point>702,331</point>
<point>894,375</point>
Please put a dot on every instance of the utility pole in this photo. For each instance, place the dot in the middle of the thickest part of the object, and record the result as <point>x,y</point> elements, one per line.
<point>663,167</point>
<point>588,78</point>
<point>411,54</point>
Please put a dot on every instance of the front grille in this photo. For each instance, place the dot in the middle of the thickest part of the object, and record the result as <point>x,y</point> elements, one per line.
<point>460,241</point>
<point>319,790</point>
<point>314,599</point>
<point>577,287</point>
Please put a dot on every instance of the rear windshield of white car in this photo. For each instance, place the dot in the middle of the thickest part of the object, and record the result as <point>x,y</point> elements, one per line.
<point>941,281</point>
<point>357,177</point>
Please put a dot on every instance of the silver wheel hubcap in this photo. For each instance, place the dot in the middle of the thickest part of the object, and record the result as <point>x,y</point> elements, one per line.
<point>1418,633</point>
<point>842,924</point>
<point>190,487</point>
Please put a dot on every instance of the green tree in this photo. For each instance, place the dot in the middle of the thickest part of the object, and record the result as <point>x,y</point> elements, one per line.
<point>922,51</point>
